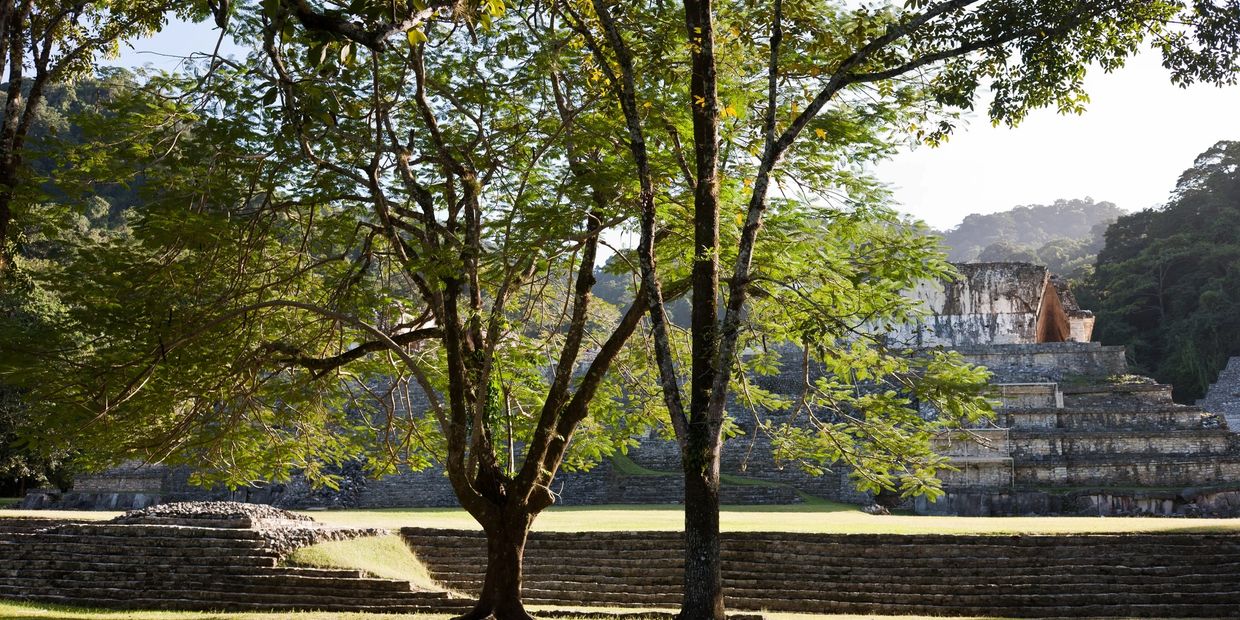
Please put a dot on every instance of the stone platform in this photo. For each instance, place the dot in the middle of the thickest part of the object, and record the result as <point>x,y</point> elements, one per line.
<point>1077,441</point>
<point>190,567</point>
<point>1152,576</point>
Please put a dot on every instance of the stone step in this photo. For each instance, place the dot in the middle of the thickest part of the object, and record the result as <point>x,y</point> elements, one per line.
<point>994,601</point>
<point>1149,470</point>
<point>240,583</point>
<point>187,543</point>
<point>30,524</point>
<point>1116,395</point>
<point>136,552</point>
<point>790,587</point>
<point>846,558</point>
<point>1070,443</point>
<point>449,606</point>
<point>1182,610</point>
<point>210,594</point>
<point>737,572</point>
<point>1161,558</point>
<point>456,542</point>
<point>810,588</point>
<point>1169,417</point>
<point>157,531</point>
<point>122,562</point>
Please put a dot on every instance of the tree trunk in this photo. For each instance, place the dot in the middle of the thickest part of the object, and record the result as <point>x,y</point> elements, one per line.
<point>501,588</point>
<point>703,586</point>
<point>5,217</point>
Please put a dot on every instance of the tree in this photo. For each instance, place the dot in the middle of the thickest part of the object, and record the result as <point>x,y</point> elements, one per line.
<point>1005,251</point>
<point>48,43</point>
<point>410,243</point>
<point>1032,53</point>
<point>353,213</point>
<point>1032,226</point>
<point>1167,279</point>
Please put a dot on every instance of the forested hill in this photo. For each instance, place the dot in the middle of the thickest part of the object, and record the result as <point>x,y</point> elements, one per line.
<point>1168,280</point>
<point>1065,232</point>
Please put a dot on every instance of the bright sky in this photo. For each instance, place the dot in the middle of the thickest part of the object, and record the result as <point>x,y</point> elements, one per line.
<point>1138,135</point>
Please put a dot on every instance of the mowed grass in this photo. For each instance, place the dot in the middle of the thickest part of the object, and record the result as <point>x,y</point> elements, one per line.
<point>28,611</point>
<point>381,556</point>
<point>821,517</point>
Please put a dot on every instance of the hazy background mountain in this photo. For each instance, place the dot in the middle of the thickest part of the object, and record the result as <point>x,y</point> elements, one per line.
<point>1065,236</point>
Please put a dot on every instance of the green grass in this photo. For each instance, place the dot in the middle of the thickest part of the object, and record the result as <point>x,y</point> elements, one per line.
<point>9,502</point>
<point>380,556</point>
<point>627,466</point>
<point>811,517</point>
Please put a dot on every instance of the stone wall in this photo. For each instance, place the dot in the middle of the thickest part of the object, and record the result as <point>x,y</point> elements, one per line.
<point>1054,362</point>
<point>1171,575</point>
<point>1223,397</point>
<point>992,303</point>
<point>179,567</point>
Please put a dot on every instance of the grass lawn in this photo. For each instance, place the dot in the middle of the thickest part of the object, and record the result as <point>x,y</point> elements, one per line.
<point>811,517</point>
<point>381,556</point>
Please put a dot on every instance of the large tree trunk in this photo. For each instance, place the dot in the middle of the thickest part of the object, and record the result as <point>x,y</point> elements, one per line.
<point>703,586</point>
<point>501,588</point>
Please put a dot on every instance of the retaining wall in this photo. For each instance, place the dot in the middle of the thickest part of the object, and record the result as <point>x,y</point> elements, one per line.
<point>1178,575</point>
<point>104,565</point>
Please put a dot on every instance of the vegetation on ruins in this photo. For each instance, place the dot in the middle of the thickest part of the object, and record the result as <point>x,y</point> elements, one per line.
<point>1168,280</point>
<point>389,199</point>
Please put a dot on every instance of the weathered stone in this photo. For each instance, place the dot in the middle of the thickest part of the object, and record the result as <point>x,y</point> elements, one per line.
<point>1163,575</point>
<point>165,566</point>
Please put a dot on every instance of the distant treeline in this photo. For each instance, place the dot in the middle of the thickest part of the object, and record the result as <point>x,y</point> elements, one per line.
<point>1065,236</point>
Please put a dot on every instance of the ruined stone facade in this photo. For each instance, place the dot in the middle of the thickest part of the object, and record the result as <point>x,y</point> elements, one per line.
<point>996,303</point>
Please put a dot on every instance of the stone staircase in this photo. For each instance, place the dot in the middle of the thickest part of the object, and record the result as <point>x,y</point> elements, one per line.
<point>184,568</point>
<point>1093,447</point>
<point>1165,575</point>
<point>1224,396</point>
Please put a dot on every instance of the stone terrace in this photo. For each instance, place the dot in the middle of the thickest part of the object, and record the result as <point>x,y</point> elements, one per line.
<point>1074,435</point>
<point>1163,575</point>
<point>182,567</point>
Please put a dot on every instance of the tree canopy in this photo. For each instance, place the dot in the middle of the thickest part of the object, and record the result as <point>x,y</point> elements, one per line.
<point>1033,229</point>
<point>1168,280</point>
<point>389,197</point>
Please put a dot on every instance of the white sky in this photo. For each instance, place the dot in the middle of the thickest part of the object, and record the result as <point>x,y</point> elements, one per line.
<point>1138,134</point>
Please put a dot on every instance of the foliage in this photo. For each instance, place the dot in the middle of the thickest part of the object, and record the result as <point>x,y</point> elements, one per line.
<point>52,43</point>
<point>396,194</point>
<point>1168,280</point>
<point>1063,233</point>
<point>50,240</point>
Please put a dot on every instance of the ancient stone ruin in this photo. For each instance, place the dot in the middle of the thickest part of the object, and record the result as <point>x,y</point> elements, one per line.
<point>1167,575</point>
<point>1075,433</point>
<point>219,556</point>
<point>1223,397</point>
